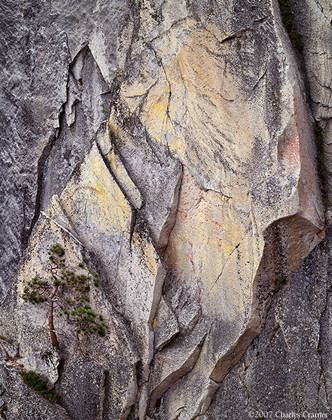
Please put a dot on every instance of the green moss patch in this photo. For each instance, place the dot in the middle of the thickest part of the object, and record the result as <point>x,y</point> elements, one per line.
<point>38,383</point>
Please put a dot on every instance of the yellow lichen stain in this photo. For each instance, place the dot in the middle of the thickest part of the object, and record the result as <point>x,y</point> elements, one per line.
<point>146,251</point>
<point>194,87</point>
<point>95,199</point>
<point>113,162</point>
<point>124,179</point>
<point>193,108</point>
<point>228,250</point>
<point>155,111</point>
<point>115,166</point>
<point>55,207</point>
<point>112,204</point>
<point>177,145</point>
<point>154,323</point>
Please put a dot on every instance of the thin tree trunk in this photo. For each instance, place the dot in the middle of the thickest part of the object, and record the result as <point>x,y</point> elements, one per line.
<point>54,339</point>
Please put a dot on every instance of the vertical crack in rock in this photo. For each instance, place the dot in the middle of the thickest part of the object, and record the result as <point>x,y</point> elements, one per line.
<point>169,224</point>
<point>102,386</point>
<point>33,62</point>
<point>47,151</point>
<point>42,161</point>
<point>42,164</point>
<point>84,118</point>
<point>40,175</point>
<point>135,8</point>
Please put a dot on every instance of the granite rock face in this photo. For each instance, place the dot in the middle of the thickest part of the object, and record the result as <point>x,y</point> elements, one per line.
<point>314,24</point>
<point>287,369</point>
<point>174,145</point>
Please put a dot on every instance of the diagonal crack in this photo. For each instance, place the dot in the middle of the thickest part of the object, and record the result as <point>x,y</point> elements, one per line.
<point>321,8</point>
<point>235,35</point>
<point>228,258</point>
<point>174,376</point>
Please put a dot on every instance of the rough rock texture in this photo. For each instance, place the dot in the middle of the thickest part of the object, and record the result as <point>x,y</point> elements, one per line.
<point>44,46</point>
<point>313,19</point>
<point>176,145</point>
<point>288,368</point>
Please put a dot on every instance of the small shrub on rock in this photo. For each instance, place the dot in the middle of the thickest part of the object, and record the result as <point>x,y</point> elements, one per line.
<point>66,292</point>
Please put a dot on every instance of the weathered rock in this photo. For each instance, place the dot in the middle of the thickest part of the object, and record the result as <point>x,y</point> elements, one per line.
<point>313,21</point>
<point>173,144</point>
<point>84,114</point>
<point>102,216</point>
<point>103,356</point>
<point>165,325</point>
<point>287,369</point>
<point>35,60</point>
<point>8,349</point>
<point>45,363</point>
<point>216,245</point>
<point>18,401</point>
<point>42,46</point>
<point>81,388</point>
<point>151,168</point>
<point>89,390</point>
<point>172,363</point>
